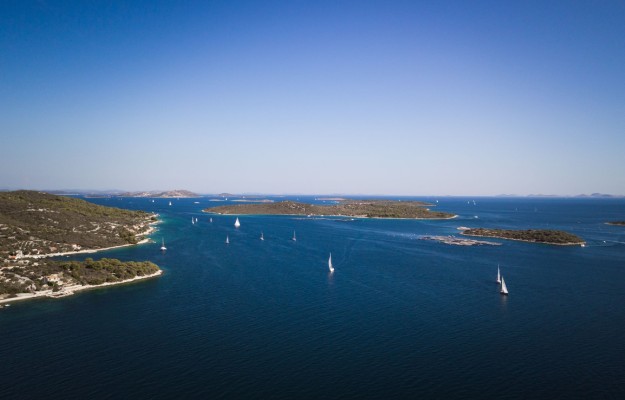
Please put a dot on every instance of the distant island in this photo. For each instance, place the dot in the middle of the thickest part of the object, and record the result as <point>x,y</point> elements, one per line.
<point>620,223</point>
<point>36,225</point>
<point>546,236</point>
<point>166,195</point>
<point>348,208</point>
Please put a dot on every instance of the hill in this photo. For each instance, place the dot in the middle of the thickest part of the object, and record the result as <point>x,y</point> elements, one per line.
<point>36,224</point>
<point>167,194</point>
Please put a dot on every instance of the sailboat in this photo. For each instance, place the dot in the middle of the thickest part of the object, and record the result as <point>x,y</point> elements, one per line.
<point>498,274</point>
<point>504,288</point>
<point>193,220</point>
<point>163,248</point>
<point>170,203</point>
<point>210,220</point>
<point>237,223</point>
<point>227,240</point>
<point>261,236</point>
<point>294,238</point>
<point>330,264</point>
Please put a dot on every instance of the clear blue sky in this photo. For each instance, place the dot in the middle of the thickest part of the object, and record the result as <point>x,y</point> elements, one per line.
<point>318,97</point>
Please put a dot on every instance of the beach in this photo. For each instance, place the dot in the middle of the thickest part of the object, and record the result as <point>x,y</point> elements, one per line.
<point>70,290</point>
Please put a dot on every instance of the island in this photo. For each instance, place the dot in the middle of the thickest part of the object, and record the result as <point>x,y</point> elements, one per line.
<point>170,194</point>
<point>36,225</point>
<point>545,236</point>
<point>619,223</point>
<point>346,208</point>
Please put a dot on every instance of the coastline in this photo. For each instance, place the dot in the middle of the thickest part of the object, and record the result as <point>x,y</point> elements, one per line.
<point>331,215</point>
<point>150,230</point>
<point>528,241</point>
<point>70,290</point>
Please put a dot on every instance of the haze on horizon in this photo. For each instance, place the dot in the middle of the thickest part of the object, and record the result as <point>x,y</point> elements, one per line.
<point>350,97</point>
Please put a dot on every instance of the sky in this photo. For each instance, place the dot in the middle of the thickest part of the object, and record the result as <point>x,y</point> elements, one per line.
<point>314,97</point>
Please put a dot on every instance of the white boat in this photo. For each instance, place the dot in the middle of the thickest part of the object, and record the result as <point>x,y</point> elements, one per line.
<point>498,274</point>
<point>294,238</point>
<point>261,236</point>
<point>227,240</point>
<point>210,220</point>
<point>504,288</point>
<point>163,248</point>
<point>330,264</point>
<point>170,203</point>
<point>237,223</point>
<point>192,220</point>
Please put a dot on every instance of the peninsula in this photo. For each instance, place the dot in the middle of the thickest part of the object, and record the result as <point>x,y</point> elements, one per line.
<point>348,208</point>
<point>546,236</point>
<point>36,225</point>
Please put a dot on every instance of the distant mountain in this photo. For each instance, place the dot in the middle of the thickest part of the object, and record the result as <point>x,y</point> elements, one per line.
<point>156,194</point>
<point>598,195</point>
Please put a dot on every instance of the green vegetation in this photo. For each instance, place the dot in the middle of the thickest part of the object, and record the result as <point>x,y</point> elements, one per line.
<point>90,272</point>
<point>47,274</point>
<point>350,208</point>
<point>41,223</point>
<point>37,224</point>
<point>547,236</point>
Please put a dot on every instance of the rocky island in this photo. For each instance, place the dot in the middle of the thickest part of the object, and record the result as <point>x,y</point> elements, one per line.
<point>348,208</point>
<point>546,236</point>
<point>619,223</point>
<point>35,225</point>
<point>170,194</point>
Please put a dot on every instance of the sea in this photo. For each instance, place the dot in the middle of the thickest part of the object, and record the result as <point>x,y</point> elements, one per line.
<point>400,317</point>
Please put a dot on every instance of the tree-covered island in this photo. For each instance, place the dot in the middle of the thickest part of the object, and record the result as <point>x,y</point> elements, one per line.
<point>347,208</point>
<point>546,236</point>
<point>36,225</point>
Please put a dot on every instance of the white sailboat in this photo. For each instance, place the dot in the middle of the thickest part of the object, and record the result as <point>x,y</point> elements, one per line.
<point>163,248</point>
<point>330,264</point>
<point>261,236</point>
<point>498,274</point>
<point>504,288</point>
<point>170,203</point>
<point>227,240</point>
<point>193,220</point>
<point>237,223</point>
<point>294,238</point>
<point>210,220</point>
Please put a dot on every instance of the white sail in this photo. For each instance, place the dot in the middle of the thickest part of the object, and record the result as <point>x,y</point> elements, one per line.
<point>237,223</point>
<point>192,220</point>
<point>498,275</point>
<point>227,240</point>
<point>170,203</point>
<point>210,220</point>
<point>163,248</point>
<point>330,263</point>
<point>261,236</point>
<point>294,238</point>
<point>504,288</point>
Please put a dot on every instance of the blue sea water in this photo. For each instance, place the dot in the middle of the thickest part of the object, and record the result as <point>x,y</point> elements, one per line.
<point>399,318</point>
